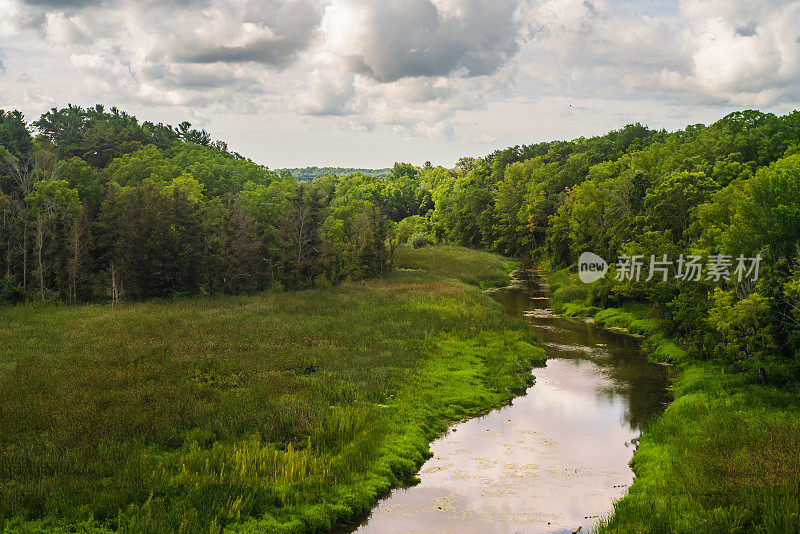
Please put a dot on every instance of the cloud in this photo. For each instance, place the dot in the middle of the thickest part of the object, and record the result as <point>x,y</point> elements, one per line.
<point>328,95</point>
<point>60,4</point>
<point>65,30</point>
<point>723,52</point>
<point>743,53</point>
<point>746,30</point>
<point>271,32</point>
<point>408,64</point>
<point>395,39</point>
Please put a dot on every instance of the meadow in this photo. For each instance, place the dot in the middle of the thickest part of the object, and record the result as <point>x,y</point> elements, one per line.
<point>276,412</point>
<point>725,455</point>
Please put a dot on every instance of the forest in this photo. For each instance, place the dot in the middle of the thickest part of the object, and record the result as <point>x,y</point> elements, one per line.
<point>97,206</point>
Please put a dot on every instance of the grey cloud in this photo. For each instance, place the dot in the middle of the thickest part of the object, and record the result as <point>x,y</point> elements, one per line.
<point>269,51</point>
<point>747,30</point>
<point>288,27</point>
<point>61,4</point>
<point>198,77</point>
<point>412,38</point>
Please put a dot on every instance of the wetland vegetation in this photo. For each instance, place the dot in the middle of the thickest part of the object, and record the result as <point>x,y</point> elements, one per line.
<point>279,412</point>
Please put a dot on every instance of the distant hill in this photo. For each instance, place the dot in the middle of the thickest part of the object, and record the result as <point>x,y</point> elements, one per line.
<point>309,173</point>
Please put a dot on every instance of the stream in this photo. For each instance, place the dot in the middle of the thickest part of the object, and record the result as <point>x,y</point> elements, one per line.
<point>556,458</point>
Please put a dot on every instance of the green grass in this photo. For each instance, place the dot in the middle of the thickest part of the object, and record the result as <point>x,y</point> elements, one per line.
<point>282,412</point>
<point>725,455</point>
<point>481,269</point>
<point>723,458</point>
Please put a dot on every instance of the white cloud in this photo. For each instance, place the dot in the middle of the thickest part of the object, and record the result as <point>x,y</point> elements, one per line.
<point>395,39</point>
<point>743,53</point>
<point>59,28</point>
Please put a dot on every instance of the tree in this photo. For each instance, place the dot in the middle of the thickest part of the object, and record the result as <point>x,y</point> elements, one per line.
<point>14,134</point>
<point>669,205</point>
<point>300,235</point>
<point>50,201</point>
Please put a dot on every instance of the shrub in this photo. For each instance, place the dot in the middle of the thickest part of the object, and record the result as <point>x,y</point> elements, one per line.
<point>10,290</point>
<point>571,293</point>
<point>410,226</point>
<point>419,240</point>
<point>744,327</point>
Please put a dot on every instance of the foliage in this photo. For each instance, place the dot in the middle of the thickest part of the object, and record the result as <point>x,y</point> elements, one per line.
<point>418,240</point>
<point>730,188</point>
<point>723,458</point>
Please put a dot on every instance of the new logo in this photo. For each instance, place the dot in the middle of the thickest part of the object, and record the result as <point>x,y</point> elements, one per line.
<point>591,267</point>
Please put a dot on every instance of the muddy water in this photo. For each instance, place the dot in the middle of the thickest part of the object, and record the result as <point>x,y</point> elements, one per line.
<point>552,461</point>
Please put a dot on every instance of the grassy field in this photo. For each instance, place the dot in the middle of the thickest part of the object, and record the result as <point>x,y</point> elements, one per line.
<point>285,412</point>
<point>725,455</point>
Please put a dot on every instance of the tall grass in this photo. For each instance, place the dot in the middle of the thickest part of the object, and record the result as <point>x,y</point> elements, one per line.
<point>481,269</point>
<point>724,457</point>
<point>281,412</point>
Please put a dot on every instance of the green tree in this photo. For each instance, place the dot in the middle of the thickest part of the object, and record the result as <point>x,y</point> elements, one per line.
<point>51,202</point>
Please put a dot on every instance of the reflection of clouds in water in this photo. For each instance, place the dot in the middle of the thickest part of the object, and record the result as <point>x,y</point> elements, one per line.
<point>547,327</point>
<point>554,456</point>
<point>568,348</point>
<point>540,313</point>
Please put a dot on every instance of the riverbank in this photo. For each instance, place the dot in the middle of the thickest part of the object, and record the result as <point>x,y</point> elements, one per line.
<point>724,456</point>
<point>287,412</point>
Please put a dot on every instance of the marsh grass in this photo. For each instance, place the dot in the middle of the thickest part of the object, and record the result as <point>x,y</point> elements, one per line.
<point>284,412</point>
<point>723,458</point>
<point>477,268</point>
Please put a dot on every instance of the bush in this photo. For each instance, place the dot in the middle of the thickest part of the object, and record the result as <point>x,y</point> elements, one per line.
<point>10,290</point>
<point>571,293</point>
<point>419,240</point>
<point>410,226</point>
<point>744,328</point>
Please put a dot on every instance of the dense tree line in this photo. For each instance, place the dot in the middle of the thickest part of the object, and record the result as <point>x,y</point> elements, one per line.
<point>95,205</point>
<point>730,189</point>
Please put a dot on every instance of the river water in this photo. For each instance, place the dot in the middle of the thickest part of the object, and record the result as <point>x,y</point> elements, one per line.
<point>555,459</point>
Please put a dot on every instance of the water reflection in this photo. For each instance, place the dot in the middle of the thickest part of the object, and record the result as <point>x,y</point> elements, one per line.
<point>633,376</point>
<point>552,461</point>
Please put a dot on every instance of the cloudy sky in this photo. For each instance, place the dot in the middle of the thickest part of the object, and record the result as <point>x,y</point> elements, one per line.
<point>368,82</point>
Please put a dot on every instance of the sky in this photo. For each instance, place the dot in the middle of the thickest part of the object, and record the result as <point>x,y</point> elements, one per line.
<point>365,83</point>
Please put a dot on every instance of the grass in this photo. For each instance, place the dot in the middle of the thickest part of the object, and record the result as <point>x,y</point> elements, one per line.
<point>725,455</point>
<point>287,412</point>
<point>478,268</point>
